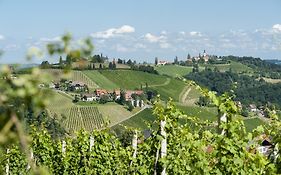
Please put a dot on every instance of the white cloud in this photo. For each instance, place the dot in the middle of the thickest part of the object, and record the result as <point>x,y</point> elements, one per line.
<point>182,33</point>
<point>55,39</point>
<point>112,32</point>
<point>165,45</point>
<point>276,28</point>
<point>153,38</point>
<point>164,32</point>
<point>121,48</point>
<point>140,46</point>
<point>194,33</point>
<point>2,37</point>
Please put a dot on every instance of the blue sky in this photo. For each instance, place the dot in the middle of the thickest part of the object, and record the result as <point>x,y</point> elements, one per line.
<point>143,30</point>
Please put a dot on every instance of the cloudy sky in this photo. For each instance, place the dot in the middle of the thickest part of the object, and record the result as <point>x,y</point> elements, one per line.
<point>143,30</point>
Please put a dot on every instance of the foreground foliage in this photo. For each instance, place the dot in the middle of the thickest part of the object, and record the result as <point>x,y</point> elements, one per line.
<point>191,149</point>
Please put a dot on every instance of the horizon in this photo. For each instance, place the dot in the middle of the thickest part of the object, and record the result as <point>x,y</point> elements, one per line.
<point>139,31</point>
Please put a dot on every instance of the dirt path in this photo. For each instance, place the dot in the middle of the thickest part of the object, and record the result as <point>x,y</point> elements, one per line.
<point>184,94</point>
<point>126,118</point>
<point>163,84</point>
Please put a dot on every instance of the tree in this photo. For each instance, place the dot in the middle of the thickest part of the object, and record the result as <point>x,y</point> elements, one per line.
<point>119,61</point>
<point>61,62</point>
<point>76,99</point>
<point>130,106</point>
<point>129,62</point>
<point>45,65</point>
<point>156,61</point>
<point>114,65</point>
<point>176,61</point>
<point>122,98</point>
<point>188,56</point>
<point>195,68</point>
<point>104,99</point>
<point>110,66</point>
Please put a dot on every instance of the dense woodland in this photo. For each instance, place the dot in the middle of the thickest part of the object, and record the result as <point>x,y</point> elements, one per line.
<point>249,90</point>
<point>261,67</point>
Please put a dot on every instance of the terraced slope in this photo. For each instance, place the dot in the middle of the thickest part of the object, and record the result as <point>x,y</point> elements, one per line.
<point>128,79</point>
<point>100,80</point>
<point>57,74</point>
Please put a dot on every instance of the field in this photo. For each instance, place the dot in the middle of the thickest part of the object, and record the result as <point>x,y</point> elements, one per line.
<point>172,89</point>
<point>100,80</point>
<point>128,79</point>
<point>74,117</point>
<point>88,118</point>
<point>57,74</point>
<point>251,124</point>
<point>139,121</point>
<point>234,66</point>
<point>203,113</point>
<point>173,70</point>
<point>114,113</point>
<point>118,66</point>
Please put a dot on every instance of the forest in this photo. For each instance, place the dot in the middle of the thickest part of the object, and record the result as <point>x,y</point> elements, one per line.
<point>247,89</point>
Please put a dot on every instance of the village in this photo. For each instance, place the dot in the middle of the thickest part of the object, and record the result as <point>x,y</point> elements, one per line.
<point>81,93</point>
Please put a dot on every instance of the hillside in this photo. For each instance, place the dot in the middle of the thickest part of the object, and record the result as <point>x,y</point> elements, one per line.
<point>173,70</point>
<point>234,66</point>
<point>128,79</point>
<point>90,116</point>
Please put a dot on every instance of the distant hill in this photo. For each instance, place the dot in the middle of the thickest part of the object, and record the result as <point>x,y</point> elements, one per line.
<point>274,61</point>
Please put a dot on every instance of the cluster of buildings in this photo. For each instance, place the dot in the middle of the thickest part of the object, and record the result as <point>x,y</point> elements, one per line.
<point>131,96</point>
<point>204,57</point>
<point>69,85</point>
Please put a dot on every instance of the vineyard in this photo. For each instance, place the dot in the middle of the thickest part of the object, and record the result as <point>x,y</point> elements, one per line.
<point>87,117</point>
<point>173,148</point>
<point>75,117</point>
<point>57,74</point>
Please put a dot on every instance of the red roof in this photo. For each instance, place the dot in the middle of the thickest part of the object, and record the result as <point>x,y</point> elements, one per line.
<point>101,91</point>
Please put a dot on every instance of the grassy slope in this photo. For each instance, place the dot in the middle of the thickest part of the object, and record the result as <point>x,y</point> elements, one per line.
<point>59,103</point>
<point>128,79</point>
<point>114,112</point>
<point>100,80</point>
<point>173,89</point>
<point>139,120</point>
<point>235,66</point>
<point>251,124</point>
<point>202,113</point>
<point>173,70</point>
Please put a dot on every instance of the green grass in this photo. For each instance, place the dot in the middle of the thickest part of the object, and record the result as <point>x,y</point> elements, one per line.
<point>114,112</point>
<point>251,124</point>
<point>139,120</point>
<point>234,66</point>
<point>128,79</point>
<point>101,80</point>
<point>173,90</point>
<point>203,113</point>
<point>59,104</point>
<point>173,70</point>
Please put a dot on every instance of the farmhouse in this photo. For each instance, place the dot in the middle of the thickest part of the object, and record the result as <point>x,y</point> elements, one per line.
<point>100,92</point>
<point>128,95</point>
<point>253,108</point>
<point>162,63</point>
<point>76,85</point>
<point>117,94</point>
<point>89,97</point>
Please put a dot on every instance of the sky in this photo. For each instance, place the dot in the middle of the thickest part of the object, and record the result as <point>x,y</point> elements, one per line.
<point>143,30</point>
